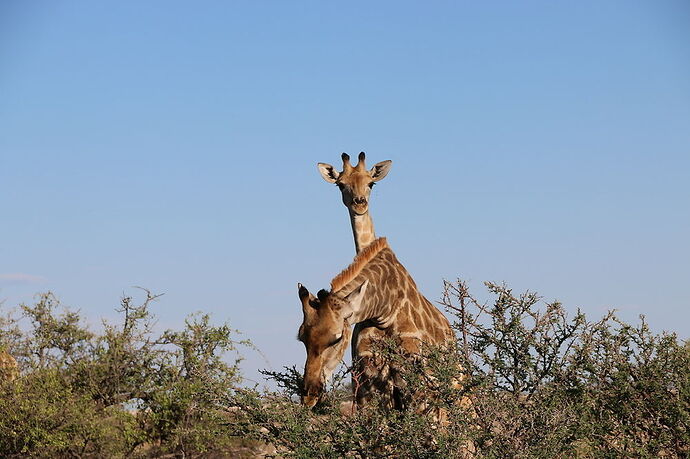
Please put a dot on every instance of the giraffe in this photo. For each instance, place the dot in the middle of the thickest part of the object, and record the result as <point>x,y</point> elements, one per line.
<point>355,183</point>
<point>378,291</point>
<point>9,369</point>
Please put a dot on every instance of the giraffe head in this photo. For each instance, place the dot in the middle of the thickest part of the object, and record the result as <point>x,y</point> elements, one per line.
<point>355,182</point>
<point>326,333</point>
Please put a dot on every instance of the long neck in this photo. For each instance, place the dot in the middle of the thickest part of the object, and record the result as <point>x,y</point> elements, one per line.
<point>362,230</point>
<point>382,272</point>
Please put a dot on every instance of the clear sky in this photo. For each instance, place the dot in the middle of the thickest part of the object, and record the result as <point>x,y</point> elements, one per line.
<point>173,145</point>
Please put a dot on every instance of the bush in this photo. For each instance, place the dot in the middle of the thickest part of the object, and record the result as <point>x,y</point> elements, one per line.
<point>541,385</point>
<point>555,386</point>
<point>124,392</point>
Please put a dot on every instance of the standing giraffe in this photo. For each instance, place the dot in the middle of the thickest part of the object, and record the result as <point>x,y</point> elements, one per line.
<point>378,291</point>
<point>355,183</point>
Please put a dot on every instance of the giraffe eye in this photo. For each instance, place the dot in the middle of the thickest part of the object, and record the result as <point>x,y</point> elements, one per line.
<point>371,184</point>
<point>340,185</point>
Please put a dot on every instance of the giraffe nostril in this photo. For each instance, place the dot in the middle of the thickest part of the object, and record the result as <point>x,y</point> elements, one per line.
<point>360,201</point>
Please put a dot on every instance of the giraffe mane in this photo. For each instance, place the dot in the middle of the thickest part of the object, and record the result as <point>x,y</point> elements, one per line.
<point>360,261</point>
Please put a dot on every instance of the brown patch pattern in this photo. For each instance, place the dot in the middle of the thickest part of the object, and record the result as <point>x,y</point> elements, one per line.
<point>360,261</point>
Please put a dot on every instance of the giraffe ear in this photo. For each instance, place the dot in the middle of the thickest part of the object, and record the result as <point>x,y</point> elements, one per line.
<point>355,298</point>
<point>380,170</point>
<point>328,172</point>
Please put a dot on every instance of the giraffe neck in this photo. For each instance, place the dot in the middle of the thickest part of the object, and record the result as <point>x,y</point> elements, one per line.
<point>384,273</point>
<point>362,230</point>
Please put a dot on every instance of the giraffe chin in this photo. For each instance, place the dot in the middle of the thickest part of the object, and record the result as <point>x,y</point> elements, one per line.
<point>359,210</point>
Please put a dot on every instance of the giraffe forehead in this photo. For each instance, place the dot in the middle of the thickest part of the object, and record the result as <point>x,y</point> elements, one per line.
<point>319,335</point>
<point>354,177</point>
<point>324,317</point>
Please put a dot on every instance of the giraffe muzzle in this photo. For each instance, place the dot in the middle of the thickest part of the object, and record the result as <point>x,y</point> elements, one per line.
<point>310,400</point>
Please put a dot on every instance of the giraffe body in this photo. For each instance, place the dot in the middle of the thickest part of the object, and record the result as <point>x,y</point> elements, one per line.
<point>355,183</point>
<point>407,317</point>
<point>377,292</point>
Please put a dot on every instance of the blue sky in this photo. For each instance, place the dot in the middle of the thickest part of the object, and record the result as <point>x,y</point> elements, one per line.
<point>174,146</point>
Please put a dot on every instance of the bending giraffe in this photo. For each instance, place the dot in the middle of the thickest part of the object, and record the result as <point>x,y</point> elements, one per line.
<point>378,291</point>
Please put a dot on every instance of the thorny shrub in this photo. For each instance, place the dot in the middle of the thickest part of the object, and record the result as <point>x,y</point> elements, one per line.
<point>121,392</point>
<point>542,384</point>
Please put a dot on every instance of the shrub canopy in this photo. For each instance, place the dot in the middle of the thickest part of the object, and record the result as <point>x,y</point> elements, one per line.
<point>541,384</point>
